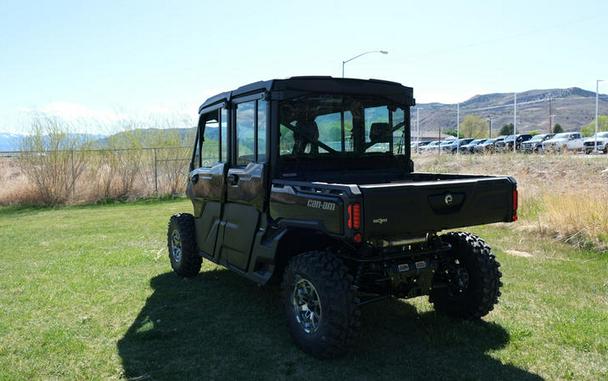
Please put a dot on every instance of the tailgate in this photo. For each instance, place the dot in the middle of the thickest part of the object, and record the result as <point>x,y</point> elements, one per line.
<point>396,210</point>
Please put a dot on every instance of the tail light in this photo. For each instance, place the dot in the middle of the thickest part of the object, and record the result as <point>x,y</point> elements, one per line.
<point>354,216</point>
<point>515,204</point>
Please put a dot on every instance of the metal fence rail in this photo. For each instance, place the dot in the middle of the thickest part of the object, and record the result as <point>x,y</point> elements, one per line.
<point>167,165</point>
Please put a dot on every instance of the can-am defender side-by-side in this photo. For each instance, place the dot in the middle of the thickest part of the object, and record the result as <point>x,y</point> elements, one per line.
<point>308,182</point>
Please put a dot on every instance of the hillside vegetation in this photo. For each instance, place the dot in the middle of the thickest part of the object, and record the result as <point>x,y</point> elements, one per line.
<point>572,108</point>
<point>561,196</point>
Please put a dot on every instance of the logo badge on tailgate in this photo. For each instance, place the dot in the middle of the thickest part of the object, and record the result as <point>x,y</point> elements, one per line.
<point>448,199</point>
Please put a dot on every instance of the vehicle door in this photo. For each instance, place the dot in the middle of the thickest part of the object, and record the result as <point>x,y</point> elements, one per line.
<point>245,180</point>
<point>207,179</point>
<point>576,141</point>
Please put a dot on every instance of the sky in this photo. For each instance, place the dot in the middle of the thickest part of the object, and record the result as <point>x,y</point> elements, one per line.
<point>116,60</point>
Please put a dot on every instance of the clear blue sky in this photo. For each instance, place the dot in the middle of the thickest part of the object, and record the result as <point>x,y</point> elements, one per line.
<point>129,58</point>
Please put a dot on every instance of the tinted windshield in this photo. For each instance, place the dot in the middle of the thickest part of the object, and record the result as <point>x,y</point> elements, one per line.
<point>317,126</point>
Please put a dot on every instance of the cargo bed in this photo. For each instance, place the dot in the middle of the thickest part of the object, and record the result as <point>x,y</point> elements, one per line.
<point>426,202</point>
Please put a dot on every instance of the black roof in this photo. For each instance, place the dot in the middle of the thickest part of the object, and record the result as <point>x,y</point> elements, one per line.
<point>392,90</point>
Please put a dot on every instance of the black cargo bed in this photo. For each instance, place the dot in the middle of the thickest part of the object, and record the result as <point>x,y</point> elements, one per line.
<point>432,202</point>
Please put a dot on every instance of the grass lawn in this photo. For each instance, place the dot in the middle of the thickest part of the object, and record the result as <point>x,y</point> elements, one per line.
<point>87,293</point>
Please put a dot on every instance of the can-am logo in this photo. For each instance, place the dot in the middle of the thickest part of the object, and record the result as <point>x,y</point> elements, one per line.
<point>318,204</point>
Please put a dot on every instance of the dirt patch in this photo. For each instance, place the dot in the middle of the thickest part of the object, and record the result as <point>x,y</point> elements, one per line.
<point>518,253</point>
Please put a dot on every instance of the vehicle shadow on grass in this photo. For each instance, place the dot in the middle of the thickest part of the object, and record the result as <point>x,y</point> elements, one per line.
<point>220,326</point>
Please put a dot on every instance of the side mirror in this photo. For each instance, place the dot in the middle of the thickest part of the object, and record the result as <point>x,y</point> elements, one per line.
<point>380,133</point>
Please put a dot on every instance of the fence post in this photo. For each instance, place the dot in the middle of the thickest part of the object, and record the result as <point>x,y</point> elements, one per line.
<point>155,174</point>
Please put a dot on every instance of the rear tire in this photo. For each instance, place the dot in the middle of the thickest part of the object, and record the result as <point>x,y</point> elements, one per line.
<point>181,242</point>
<point>320,303</point>
<point>472,276</point>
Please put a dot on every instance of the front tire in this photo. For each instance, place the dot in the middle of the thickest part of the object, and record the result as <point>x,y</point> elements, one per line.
<point>181,242</point>
<point>320,303</point>
<point>471,279</point>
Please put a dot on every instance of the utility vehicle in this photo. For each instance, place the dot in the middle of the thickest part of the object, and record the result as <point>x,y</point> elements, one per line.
<point>307,182</point>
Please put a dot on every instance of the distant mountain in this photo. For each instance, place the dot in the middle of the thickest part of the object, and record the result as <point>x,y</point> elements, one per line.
<point>14,142</point>
<point>151,137</point>
<point>572,108</point>
<point>10,142</point>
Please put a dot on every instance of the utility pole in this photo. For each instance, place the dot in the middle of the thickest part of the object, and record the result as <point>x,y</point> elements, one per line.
<point>418,129</point>
<point>514,122</point>
<point>439,148</point>
<point>457,127</point>
<point>597,110</point>
<point>490,127</point>
<point>550,114</point>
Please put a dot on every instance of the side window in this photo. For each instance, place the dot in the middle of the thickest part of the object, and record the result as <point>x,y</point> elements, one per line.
<point>211,142</point>
<point>196,155</point>
<point>245,133</point>
<point>262,109</point>
<point>286,140</point>
<point>224,135</point>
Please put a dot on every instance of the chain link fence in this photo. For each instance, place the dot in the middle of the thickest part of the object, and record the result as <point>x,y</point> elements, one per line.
<point>77,176</point>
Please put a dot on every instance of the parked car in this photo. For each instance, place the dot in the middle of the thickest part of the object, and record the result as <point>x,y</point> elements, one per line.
<point>451,146</point>
<point>431,147</point>
<point>416,146</point>
<point>602,143</point>
<point>489,146</point>
<point>507,143</point>
<point>536,143</point>
<point>563,142</point>
<point>337,229</point>
<point>470,146</point>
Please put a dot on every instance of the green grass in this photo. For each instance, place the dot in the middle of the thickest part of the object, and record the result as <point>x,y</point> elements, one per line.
<point>87,293</point>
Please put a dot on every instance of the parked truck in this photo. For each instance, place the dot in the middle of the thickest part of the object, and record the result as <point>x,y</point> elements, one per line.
<point>308,182</point>
<point>564,142</point>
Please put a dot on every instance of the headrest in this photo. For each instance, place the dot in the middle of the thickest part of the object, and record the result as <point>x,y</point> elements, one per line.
<point>380,133</point>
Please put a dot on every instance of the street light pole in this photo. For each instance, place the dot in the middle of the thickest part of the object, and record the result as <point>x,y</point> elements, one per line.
<point>359,55</point>
<point>597,110</point>
<point>490,127</point>
<point>514,122</point>
<point>418,129</point>
<point>457,127</point>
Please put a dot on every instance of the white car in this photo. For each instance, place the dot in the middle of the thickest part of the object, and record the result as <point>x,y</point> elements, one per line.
<point>431,147</point>
<point>565,141</point>
<point>602,142</point>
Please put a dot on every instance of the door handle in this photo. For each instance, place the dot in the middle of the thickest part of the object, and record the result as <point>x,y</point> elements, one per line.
<point>232,179</point>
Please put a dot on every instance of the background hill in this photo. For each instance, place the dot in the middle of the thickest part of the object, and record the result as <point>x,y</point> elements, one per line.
<point>150,137</point>
<point>572,108</point>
